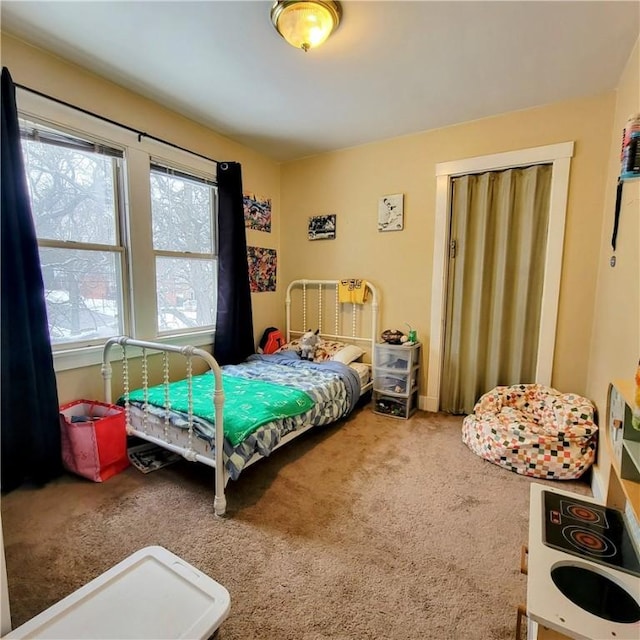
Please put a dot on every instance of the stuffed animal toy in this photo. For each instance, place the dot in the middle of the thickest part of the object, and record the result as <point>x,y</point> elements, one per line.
<point>308,344</point>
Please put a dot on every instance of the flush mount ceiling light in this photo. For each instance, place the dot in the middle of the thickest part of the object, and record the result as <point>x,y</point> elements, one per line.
<point>305,24</point>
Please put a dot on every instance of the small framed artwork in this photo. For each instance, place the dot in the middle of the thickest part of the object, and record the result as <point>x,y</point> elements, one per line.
<point>262,268</point>
<point>391,212</point>
<point>257,212</point>
<point>322,227</point>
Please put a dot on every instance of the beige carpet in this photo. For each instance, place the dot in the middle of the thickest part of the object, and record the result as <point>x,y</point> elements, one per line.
<point>375,528</point>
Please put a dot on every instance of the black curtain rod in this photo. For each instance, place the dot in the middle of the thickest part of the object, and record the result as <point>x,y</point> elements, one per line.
<point>140,134</point>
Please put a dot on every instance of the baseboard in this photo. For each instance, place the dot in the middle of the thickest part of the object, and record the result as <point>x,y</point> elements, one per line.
<point>427,403</point>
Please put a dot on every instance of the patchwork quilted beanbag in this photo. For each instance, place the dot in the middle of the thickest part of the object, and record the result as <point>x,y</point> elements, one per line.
<point>533,430</point>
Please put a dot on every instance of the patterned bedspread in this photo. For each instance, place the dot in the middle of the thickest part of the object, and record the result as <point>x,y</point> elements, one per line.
<point>333,387</point>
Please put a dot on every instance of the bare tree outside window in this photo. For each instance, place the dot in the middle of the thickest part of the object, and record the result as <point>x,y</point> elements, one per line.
<point>73,195</point>
<point>182,210</point>
<point>77,192</point>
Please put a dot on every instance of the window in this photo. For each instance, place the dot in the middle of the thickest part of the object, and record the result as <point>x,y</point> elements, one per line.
<point>126,232</point>
<point>76,193</point>
<point>182,211</point>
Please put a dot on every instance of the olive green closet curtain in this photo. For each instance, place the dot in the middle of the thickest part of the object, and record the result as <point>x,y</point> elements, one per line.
<point>499,223</point>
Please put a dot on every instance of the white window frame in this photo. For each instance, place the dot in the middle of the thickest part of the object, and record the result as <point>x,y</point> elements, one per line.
<point>140,304</point>
<point>213,256</point>
<point>119,245</point>
<point>559,155</point>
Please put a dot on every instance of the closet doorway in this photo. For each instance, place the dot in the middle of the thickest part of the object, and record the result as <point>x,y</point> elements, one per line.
<point>482,270</point>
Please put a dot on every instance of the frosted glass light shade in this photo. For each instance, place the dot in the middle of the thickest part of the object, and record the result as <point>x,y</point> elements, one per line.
<point>305,24</point>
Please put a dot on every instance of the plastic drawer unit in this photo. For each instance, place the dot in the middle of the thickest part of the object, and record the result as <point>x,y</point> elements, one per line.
<point>151,594</point>
<point>395,379</point>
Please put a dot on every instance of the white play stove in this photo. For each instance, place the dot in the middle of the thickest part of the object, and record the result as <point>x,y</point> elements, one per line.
<point>584,568</point>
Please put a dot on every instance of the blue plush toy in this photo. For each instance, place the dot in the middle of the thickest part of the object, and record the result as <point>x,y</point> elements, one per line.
<point>308,344</point>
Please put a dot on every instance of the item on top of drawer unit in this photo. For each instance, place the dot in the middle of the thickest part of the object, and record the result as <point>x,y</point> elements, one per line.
<point>392,336</point>
<point>412,336</point>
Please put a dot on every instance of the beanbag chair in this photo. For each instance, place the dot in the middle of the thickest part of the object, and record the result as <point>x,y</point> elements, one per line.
<point>533,430</point>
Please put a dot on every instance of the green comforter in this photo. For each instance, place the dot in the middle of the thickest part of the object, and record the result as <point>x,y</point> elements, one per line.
<point>248,404</point>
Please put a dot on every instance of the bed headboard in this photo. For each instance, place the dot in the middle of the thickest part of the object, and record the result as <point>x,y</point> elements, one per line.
<point>315,304</point>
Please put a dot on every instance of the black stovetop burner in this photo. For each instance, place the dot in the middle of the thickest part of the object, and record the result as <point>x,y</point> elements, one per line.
<point>589,531</point>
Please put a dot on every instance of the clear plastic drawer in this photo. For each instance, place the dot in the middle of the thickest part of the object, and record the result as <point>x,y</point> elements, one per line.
<point>396,407</point>
<point>392,382</point>
<point>396,357</point>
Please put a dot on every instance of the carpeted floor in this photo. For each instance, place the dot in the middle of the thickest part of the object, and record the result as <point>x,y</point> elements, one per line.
<point>374,528</point>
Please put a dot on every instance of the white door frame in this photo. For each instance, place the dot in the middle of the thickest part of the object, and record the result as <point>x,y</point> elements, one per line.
<point>559,155</point>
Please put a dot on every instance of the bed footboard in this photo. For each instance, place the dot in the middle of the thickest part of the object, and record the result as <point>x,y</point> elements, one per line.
<point>188,447</point>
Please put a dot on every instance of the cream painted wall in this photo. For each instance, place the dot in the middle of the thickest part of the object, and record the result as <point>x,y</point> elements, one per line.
<point>51,75</point>
<point>349,183</point>
<point>615,344</point>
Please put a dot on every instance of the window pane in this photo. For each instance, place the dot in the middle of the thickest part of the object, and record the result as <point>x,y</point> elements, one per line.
<point>72,193</point>
<point>186,293</point>
<point>181,212</point>
<point>82,292</point>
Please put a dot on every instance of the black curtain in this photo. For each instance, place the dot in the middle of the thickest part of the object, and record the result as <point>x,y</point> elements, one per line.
<point>29,422</point>
<point>234,324</point>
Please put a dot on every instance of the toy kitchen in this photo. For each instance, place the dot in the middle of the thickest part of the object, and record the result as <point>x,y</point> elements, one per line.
<point>583,569</point>
<point>584,556</point>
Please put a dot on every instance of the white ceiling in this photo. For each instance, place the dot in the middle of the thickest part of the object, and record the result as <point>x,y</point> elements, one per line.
<point>392,68</point>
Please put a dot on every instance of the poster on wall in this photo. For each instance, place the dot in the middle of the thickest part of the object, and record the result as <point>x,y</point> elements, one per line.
<point>322,227</point>
<point>391,213</point>
<point>262,268</point>
<point>257,212</point>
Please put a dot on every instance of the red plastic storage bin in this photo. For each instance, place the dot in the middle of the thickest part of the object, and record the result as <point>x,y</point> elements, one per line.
<point>94,439</point>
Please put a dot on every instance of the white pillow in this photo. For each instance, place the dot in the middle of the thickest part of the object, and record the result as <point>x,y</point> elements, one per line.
<point>348,354</point>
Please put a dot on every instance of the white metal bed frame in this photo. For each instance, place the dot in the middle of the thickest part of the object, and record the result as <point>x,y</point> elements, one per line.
<point>159,432</point>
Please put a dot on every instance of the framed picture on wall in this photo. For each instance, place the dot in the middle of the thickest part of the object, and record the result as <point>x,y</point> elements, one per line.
<point>262,268</point>
<point>257,212</point>
<point>391,212</point>
<point>322,227</point>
